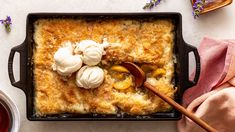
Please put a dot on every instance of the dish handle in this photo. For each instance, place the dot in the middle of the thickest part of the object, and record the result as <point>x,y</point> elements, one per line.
<point>21,83</point>
<point>190,48</point>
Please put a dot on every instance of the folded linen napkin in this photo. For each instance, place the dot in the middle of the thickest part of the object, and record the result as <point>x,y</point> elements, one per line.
<point>213,98</point>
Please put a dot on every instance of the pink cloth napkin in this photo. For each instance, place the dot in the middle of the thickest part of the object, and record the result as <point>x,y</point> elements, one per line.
<point>213,98</point>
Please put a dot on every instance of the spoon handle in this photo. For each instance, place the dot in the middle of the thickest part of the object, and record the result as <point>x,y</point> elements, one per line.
<point>180,108</point>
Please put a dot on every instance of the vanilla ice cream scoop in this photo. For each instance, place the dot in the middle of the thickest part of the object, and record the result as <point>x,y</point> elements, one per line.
<point>65,62</point>
<point>91,51</point>
<point>89,77</point>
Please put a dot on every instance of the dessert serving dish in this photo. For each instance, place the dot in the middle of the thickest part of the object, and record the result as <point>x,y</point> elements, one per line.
<point>153,41</point>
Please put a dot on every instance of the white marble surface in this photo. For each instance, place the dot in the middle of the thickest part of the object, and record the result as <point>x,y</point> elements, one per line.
<point>218,24</point>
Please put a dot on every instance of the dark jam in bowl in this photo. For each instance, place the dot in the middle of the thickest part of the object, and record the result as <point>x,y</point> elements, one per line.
<point>4,119</point>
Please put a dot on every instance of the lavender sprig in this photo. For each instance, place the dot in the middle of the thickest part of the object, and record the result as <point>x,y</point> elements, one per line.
<point>198,7</point>
<point>7,23</point>
<point>151,4</point>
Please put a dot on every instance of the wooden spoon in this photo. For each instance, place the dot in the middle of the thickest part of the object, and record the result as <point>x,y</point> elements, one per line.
<point>216,4</point>
<point>140,78</point>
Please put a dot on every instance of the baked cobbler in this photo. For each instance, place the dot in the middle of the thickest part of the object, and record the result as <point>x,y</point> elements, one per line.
<point>146,42</point>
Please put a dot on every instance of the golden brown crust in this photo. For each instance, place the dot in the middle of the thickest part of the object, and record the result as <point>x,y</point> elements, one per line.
<point>140,41</point>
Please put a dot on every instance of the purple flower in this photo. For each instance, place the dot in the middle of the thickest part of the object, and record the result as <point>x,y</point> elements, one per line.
<point>1,21</point>
<point>7,23</point>
<point>8,19</point>
<point>198,7</point>
<point>151,3</point>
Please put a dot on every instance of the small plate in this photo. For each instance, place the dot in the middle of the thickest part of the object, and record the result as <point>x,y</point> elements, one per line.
<point>214,4</point>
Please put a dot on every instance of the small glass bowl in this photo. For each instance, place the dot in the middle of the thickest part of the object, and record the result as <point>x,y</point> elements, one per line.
<point>12,110</point>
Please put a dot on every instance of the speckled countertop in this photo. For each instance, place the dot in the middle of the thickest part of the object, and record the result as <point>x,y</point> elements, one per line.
<point>217,24</point>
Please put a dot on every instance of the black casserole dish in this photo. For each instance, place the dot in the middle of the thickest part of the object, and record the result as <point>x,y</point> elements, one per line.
<point>26,82</point>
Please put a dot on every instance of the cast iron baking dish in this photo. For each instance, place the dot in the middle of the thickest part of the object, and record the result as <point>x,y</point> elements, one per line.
<point>26,83</point>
